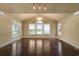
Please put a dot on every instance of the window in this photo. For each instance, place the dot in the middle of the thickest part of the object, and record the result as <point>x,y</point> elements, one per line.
<point>32,28</point>
<point>46,28</point>
<point>15,30</point>
<point>39,28</point>
<point>59,28</point>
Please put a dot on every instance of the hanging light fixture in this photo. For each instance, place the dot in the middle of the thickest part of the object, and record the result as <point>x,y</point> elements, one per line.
<point>45,7</point>
<point>39,9</point>
<point>39,18</point>
<point>34,8</point>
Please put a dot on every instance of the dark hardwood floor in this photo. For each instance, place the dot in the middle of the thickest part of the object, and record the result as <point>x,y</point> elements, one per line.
<point>6,50</point>
<point>39,47</point>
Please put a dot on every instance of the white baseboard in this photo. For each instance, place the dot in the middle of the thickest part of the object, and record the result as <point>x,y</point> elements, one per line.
<point>9,42</point>
<point>77,47</point>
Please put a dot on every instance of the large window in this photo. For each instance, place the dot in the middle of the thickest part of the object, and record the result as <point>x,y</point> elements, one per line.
<point>39,28</point>
<point>15,30</point>
<point>46,28</point>
<point>14,33</point>
<point>32,28</point>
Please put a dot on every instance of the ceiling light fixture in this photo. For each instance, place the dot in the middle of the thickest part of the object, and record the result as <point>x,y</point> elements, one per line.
<point>39,18</point>
<point>45,8</point>
<point>40,8</point>
<point>34,8</point>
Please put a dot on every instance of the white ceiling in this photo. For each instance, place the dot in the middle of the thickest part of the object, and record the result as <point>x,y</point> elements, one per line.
<point>23,11</point>
<point>56,17</point>
<point>27,7</point>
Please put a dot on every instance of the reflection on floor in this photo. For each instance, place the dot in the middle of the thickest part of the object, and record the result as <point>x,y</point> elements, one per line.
<point>39,47</point>
<point>36,47</point>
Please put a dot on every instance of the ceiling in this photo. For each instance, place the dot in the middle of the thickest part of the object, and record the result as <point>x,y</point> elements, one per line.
<point>55,17</point>
<point>27,7</point>
<point>55,11</point>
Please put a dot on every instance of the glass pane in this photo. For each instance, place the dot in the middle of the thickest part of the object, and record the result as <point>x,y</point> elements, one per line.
<point>31,28</point>
<point>59,29</point>
<point>13,27</point>
<point>15,30</point>
<point>39,21</point>
<point>39,29</point>
<point>46,28</point>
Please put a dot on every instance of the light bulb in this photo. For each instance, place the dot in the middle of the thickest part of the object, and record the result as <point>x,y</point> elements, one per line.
<point>45,8</point>
<point>34,7</point>
<point>39,7</point>
<point>39,18</point>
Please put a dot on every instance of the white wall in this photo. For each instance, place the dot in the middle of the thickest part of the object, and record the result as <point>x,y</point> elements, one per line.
<point>5,29</point>
<point>70,30</point>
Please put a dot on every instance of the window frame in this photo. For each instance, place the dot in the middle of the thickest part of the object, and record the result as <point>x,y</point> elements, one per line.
<point>17,27</point>
<point>59,31</point>
<point>42,28</point>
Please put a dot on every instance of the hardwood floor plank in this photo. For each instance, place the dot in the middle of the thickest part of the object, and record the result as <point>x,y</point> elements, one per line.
<point>40,47</point>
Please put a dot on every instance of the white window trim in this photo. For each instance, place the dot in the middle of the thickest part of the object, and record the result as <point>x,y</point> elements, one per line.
<point>42,29</point>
